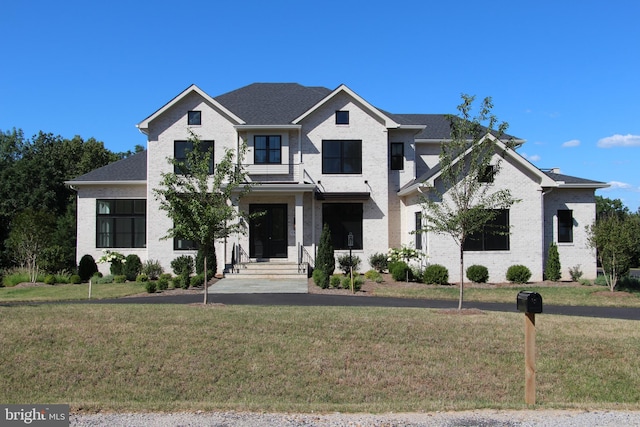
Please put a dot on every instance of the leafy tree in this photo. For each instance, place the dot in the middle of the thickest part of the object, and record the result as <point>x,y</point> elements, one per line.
<point>615,240</point>
<point>464,203</point>
<point>30,235</point>
<point>552,268</point>
<point>606,207</point>
<point>200,203</point>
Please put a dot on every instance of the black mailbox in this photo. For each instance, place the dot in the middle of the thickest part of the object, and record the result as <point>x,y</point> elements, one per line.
<point>529,302</point>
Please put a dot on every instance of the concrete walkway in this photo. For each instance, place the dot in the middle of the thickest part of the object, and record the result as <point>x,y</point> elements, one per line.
<point>260,286</point>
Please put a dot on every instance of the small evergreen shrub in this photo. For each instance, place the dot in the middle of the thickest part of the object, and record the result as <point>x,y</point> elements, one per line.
<point>120,278</point>
<point>150,287</point>
<point>400,271</point>
<point>334,281</point>
<point>378,261</point>
<point>50,279</point>
<point>552,268</point>
<point>75,279</point>
<point>182,266</point>
<point>518,274</point>
<point>152,269</point>
<point>197,280</point>
<point>132,267</point>
<point>346,282</point>
<point>478,273</point>
<point>320,278</point>
<point>163,282</point>
<point>575,273</point>
<point>373,275</point>
<point>142,278</point>
<point>325,259</point>
<point>87,267</point>
<point>436,274</point>
<point>346,262</point>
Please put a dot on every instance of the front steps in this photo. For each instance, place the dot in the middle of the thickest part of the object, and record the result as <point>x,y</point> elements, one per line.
<point>272,270</point>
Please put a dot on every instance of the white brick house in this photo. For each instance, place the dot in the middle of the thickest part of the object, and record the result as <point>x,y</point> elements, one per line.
<point>324,156</point>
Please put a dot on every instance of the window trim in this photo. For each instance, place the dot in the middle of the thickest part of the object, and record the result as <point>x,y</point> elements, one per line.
<point>398,157</point>
<point>192,115</point>
<point>342,117</point>
<point>267,150</point>
<point>566,225</point>
<point>134,216</point>
<point>342,157</point>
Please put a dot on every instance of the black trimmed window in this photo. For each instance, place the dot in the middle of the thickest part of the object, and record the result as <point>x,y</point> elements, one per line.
<point>341,156</point>
<point>342,117</point>
<point>182,148</point>
<point>267,149</point>
<point>397,156</point>
<point>121,223</point>
<point>487,175</point>
<point>419,230</point>
<point>494,235</point>
<point>565,226</point>
<point>184,245</point>
<point>194,118</point>
<point>342,219</point>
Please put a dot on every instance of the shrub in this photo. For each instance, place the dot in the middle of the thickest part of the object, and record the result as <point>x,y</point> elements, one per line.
<point>518,274</point>
<point>417,273</point>
<point>373,275</point>
<point>325,260</point>
<point>478,274</point>
<point>163,282</point>
<point>142,278</point>
<point>87,267</point>
<point>320,278</point>
<point>15,277</point>
<point>197,280</point>
<point>436,274</point>
<point>334,281</point>
<point>552,268</point>
<point>152,269</point>
<point>101,280</point>
<point>75,279</point>
<point>399,270</point>
<point>600,281</point>
<point>132,267</point>
<point>150,287</point>
<point>357,282</point>
<point>212,262</point>
<point>378,261</point>
<point>115,259</point>
<point>120,278</point>
<point>182,266</point>
<point>585,282</point>
<point>575,273</point>
<point>346,262</point>
<point>50,279</point>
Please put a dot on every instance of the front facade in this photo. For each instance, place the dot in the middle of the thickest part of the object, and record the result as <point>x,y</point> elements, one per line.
<point>319,156</point>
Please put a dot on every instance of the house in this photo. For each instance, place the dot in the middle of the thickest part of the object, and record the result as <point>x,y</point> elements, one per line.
<point>325,156</point>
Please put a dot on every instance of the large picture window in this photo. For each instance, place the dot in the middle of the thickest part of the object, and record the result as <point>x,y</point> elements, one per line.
<point>565,226</point>
<point>494,235</point>
<point>341,156</point>
<point>121,223</point>
<point>267,149</point>
<point>342,219</point>
<point>183,148</point>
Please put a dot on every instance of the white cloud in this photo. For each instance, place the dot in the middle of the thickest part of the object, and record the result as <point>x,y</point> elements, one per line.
<point>572,143</point>
<point>618,140</point>
<point>617,185</point>
<point>531,158</point>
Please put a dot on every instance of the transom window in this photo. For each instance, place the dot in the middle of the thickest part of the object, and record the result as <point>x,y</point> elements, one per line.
<point>121,223</point>
<point>267,149</point>
<point>342,117</point>
<point>397,156</point>
<point>341,156</point>
<point>494,235</point>
<point>565,226</point>
<point>194,118</point>
<point>342,219</point>
<point>183,148</point>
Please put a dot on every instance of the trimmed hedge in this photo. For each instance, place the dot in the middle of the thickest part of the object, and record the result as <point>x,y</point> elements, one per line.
<point>518,274</point>
<point>478,274</point>
<point>436,274</point>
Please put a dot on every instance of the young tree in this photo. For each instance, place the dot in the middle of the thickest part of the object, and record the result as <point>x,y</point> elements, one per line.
<point>615,240</point>
<point>463,202</point>
<point>325,259</point>
<point>30,235</point>
<point>197,196</point>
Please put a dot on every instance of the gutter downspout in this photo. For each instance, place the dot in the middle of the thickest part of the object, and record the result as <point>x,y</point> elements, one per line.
<point>543,258</point>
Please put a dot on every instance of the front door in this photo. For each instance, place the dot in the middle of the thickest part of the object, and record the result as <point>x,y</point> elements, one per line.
<point>268,232</point>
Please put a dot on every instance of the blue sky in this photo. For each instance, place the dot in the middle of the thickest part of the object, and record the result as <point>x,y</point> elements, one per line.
<point>564,74</point>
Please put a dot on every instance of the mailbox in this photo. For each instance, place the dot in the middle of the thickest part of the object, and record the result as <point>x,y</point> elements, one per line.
<point>529,302</point>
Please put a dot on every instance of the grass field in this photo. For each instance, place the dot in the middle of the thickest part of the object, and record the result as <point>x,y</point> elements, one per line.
<point>170,358</point>
<point>70,292</point>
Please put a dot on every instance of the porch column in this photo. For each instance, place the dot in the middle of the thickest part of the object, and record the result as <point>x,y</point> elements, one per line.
<point>299,221</point>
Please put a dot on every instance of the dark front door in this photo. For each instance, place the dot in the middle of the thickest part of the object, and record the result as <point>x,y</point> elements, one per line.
<point>268,232</point>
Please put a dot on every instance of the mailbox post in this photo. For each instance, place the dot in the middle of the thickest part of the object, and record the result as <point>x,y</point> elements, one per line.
<point>530,303</point>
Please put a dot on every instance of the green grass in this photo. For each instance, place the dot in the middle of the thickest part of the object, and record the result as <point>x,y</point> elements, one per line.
<point>70,292</point>
<point>303,359</point>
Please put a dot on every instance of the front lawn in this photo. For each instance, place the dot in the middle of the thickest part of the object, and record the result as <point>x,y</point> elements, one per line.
<point>42,292</point>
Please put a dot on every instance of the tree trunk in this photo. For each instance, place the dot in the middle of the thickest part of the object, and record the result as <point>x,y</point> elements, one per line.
<point>461,277</point>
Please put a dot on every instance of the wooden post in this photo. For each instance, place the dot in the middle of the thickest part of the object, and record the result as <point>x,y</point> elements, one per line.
<point>530,358</point>
<point>90,287</point>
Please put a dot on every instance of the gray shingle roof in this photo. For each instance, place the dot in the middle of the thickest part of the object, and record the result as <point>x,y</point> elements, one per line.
<point>132,168</point>
<point>571,179</point>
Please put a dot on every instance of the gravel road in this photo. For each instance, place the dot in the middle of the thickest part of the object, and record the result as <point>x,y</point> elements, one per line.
<point>484,418</point>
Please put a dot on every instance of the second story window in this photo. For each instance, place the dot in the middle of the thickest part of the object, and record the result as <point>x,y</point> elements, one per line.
<point>181,150</point>
<point>397,156</point>
<point>341,156</point>
<point>267,149</point>
<point>342,117</point>
<point>194,118</point>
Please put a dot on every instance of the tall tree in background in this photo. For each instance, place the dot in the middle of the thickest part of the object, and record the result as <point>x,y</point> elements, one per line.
<point>197,196</point>
<point>462,204</point>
